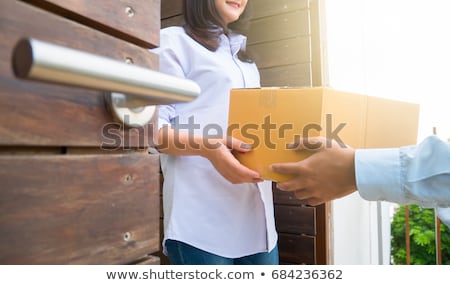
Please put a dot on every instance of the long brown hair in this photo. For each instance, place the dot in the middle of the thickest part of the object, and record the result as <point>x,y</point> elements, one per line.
<point>203,23</point>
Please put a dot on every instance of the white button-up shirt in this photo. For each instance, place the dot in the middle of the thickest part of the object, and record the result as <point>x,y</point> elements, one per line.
<point>201,208</point>
<point>411,175</point>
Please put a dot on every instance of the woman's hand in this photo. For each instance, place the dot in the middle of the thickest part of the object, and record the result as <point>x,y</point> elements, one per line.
<point>218,151</point>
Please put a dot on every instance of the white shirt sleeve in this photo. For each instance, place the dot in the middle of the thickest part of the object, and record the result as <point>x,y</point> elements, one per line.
<point>407,175</point>
<point>170,63</point>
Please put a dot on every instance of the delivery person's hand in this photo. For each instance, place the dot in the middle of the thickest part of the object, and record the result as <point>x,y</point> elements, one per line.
<point>328,174</point>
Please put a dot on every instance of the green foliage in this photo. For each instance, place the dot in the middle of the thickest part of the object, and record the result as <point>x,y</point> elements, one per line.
<point>422,237</point>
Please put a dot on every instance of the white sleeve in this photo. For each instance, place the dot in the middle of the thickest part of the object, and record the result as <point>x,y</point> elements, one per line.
<point>444,215</point>
<point>170,62</point>
<point>407,175</point>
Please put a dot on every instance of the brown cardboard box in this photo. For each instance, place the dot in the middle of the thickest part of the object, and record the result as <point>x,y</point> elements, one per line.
<point>270,118</point>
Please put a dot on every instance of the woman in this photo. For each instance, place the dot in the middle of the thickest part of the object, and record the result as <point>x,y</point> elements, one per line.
<point>216,211</point>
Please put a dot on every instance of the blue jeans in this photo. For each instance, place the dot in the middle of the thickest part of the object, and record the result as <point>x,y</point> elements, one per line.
<point>180,253</point>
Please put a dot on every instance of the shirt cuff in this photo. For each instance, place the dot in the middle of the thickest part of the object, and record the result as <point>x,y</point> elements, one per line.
<point>444,215</point>
<point>378,174</point>
<point>153,149</point>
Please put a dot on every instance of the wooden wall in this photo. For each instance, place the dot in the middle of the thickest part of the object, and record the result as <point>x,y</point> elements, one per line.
<point>280,38</point>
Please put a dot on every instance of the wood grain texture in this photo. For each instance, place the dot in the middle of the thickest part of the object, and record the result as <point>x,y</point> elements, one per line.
<point>170,8</point>
<point>281,52</point>
<point>72,209</point>
<point>323,214</point>
<point>284,197</point>
<point>174,21</point>
<point>171,11</point>
<point>148,260</point>
<point>133,21</point>
<point>41,114</point>
<point>265,8</point>
<point>279,27</point>
<point>295,75</point>
<point>297,249</point>
<point>297,223</point>
<point>295,220</point>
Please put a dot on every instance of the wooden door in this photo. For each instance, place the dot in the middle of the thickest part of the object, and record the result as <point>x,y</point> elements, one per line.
<point>75,186</point>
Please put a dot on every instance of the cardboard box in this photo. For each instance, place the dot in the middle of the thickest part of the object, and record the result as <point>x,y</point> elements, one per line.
<point>271,118</point>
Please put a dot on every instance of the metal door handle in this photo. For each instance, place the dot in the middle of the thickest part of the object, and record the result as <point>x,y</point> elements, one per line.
<point>144,88</point>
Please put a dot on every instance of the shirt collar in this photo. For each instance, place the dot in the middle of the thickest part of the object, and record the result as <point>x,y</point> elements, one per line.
<point>237,42</point>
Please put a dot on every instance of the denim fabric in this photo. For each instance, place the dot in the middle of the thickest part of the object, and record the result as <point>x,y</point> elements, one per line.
<point>180,253</point>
